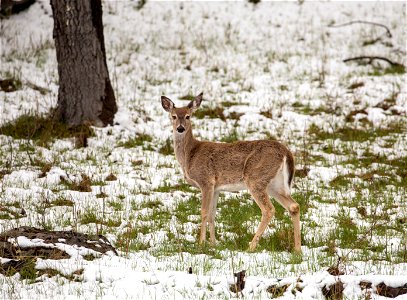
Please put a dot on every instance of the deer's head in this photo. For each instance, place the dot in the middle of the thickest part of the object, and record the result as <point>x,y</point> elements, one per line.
<point>181,117</point>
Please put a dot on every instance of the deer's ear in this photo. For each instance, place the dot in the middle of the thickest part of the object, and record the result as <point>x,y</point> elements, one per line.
<point>167,104</point>
<point>194,104</point>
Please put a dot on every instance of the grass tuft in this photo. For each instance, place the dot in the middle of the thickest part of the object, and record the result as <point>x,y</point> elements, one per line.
<point>211,113</point>
<point>43,129</point>
<point>396,69</point>
<point>167,148</point>
<point>139,140</point>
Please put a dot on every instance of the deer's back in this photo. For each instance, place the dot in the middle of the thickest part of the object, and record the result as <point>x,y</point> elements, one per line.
<point>229,163</point>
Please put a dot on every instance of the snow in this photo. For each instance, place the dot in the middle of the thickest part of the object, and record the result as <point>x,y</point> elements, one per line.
<point>263,58</point>
<point>322,173</point>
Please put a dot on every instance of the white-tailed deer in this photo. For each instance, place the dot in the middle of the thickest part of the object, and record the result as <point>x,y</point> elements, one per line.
<point>264,167</point>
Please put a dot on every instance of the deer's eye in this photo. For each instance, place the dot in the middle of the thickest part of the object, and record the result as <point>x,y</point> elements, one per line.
<point>187,117</point>
<point>174,117</point>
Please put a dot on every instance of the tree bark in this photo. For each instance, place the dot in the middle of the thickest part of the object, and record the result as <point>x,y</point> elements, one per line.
<point>85,93</point>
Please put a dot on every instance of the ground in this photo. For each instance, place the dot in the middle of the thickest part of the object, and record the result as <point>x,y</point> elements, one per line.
<point>268,71</point>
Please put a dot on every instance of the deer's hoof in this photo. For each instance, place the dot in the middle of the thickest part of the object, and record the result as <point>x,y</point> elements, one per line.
<point>252,246</point>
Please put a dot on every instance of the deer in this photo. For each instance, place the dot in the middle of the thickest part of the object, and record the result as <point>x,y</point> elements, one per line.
<point>263,167</point>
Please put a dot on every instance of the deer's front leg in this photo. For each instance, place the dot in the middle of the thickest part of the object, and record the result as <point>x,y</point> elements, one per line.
<point>206,209</point>
<point>211,218</point>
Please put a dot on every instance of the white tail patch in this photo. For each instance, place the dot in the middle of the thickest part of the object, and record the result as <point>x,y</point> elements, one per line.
<point>286,176</point>
<point>280,181</point>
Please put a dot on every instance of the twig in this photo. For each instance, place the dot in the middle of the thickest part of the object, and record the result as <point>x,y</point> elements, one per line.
<point>233,271</point>
<point>395,64</point>
<point>388,33</point>
<point>28,153</point>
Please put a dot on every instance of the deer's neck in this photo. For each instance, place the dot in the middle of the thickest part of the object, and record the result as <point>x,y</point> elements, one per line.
<point>183,145</point>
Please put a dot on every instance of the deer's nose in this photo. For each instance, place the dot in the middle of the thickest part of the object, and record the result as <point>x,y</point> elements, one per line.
<point>180,129</point>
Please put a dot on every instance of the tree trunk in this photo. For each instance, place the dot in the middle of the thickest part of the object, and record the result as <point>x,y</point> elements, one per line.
<point>85,93</point>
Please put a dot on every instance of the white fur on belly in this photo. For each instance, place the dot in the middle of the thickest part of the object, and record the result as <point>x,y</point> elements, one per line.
<point>233,187</point>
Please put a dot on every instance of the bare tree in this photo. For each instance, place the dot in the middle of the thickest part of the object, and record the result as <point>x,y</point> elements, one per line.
<point>85,92</point>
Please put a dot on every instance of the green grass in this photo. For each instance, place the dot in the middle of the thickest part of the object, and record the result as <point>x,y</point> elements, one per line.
<point>42,129</point>
<point>84,185</point>
<point>139,140</point>
<point>211,113</point>
<point>159,214</point>
<point>151,204</point>
<point>307,110</point>
<point>231,137</point>
<point>238,215</point>
<point>341,181</point>
<point>127,241</point>
<point>6,213</point>
<point>166,148</point>
<point>187,97</point>
<point>348,133</point>
<point>89,216</point>
<point>92,216</point>
<point>347,231</point>
<point>391,70</point>
<point>181,186</point>
<point>116,205</point>
<point>28,271</point>
<point>61,201</point>
<point>388,167</point>
<point>229,103</point>
<point>189,207</point>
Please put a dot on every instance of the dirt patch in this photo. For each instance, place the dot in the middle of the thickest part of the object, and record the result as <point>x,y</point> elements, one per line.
<point>334,291</point>
<point>111,177</point>
<point>276,290</point>
<point>356,85</point>
<point>22,256</point>
<point>240,282</point>
<point>392,292</point>
<point>10,85</point>
<point>302,173</point>
<point>97,243</point>
<point>335,271</point>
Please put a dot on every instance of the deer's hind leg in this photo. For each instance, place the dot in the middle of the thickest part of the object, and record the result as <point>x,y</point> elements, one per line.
<point>262,199</point>
<point>280,191</point>
<point>294,210</point>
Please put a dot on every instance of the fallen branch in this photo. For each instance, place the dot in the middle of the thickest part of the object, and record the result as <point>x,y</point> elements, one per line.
<point>371,58</point>
<point>388,33</point>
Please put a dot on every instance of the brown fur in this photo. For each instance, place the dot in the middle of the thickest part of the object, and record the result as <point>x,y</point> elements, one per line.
<point>213,167</point>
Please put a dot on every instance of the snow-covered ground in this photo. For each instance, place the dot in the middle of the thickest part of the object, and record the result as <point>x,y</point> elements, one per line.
<point>276,70</point>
